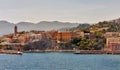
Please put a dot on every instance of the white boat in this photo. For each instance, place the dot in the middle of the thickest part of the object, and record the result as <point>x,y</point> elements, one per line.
<point>19,53</point>
<point>77,52</point>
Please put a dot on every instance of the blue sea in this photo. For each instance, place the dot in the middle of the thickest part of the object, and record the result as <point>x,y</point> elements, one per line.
<point>59,61</point>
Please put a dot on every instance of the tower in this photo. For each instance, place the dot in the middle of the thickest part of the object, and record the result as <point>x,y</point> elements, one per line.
<point>15,30</point>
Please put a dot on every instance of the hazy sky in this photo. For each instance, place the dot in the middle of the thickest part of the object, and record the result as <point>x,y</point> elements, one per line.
<point>90,11</point>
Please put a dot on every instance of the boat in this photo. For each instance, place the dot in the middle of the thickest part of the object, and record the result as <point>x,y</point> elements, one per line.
<point>19,53</point>
<point>77,52</point>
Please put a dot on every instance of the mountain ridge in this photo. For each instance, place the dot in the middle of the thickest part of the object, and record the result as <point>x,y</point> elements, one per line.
<point>8,27</point>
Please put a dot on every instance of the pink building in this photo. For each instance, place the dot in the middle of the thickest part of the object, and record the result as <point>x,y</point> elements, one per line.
<point>111,34</point>
<point>113,43</point>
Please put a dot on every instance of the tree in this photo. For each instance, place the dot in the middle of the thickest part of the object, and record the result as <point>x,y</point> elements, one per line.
<point>98,34</point>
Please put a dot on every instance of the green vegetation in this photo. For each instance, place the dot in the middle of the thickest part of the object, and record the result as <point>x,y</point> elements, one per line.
<point>88,44</point>
<point>111,25</point>
<point>98,34</point>
<point>84,44</point>
<point>83,25</point>
<point>65,46</point>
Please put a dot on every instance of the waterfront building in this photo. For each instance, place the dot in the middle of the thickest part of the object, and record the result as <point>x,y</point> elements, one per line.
<point>31,36</point>
<point>79,34</point>
<point>86,34</point>
<point>53,37</point>
<point>92,35</point>
<point>64,36</point>
<point>111,34</point>
<point>52,34</point>
<point>113,43</point>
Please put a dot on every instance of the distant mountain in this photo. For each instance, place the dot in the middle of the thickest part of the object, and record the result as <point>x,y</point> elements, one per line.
<point>44,25</point>
<point>7,27</point>
<point>55,25</point>
<point>26,26</point>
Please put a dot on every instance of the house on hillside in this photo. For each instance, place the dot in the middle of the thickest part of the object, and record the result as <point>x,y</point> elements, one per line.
<point>111,34</point>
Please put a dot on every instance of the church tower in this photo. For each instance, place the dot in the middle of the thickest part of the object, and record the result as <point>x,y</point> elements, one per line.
<point>15,30</point>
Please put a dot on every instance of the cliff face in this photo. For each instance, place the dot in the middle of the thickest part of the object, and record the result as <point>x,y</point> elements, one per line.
<point>38,45</point>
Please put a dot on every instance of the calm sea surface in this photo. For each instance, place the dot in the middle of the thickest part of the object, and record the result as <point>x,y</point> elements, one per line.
<point>59,61</point>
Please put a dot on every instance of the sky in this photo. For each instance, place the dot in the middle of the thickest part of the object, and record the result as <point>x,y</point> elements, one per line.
<point>78,11</point>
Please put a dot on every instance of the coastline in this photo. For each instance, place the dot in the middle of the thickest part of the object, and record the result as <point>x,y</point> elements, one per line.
<point>40,51</point>
<point>8,52</point>
<point>71,51</point>
<point>74,51</point>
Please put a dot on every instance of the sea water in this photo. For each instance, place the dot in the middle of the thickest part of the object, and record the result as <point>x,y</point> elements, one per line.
<point>59,61</point>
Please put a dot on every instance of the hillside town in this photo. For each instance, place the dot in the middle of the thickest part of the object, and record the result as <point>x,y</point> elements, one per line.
<point>80,39</point>
<point>20,39</point>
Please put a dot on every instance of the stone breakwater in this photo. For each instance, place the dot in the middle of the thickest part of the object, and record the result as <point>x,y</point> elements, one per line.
<point>38,51</point>
<point>97,52</point>
<point>8,52</point>
<point>72,51</point>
